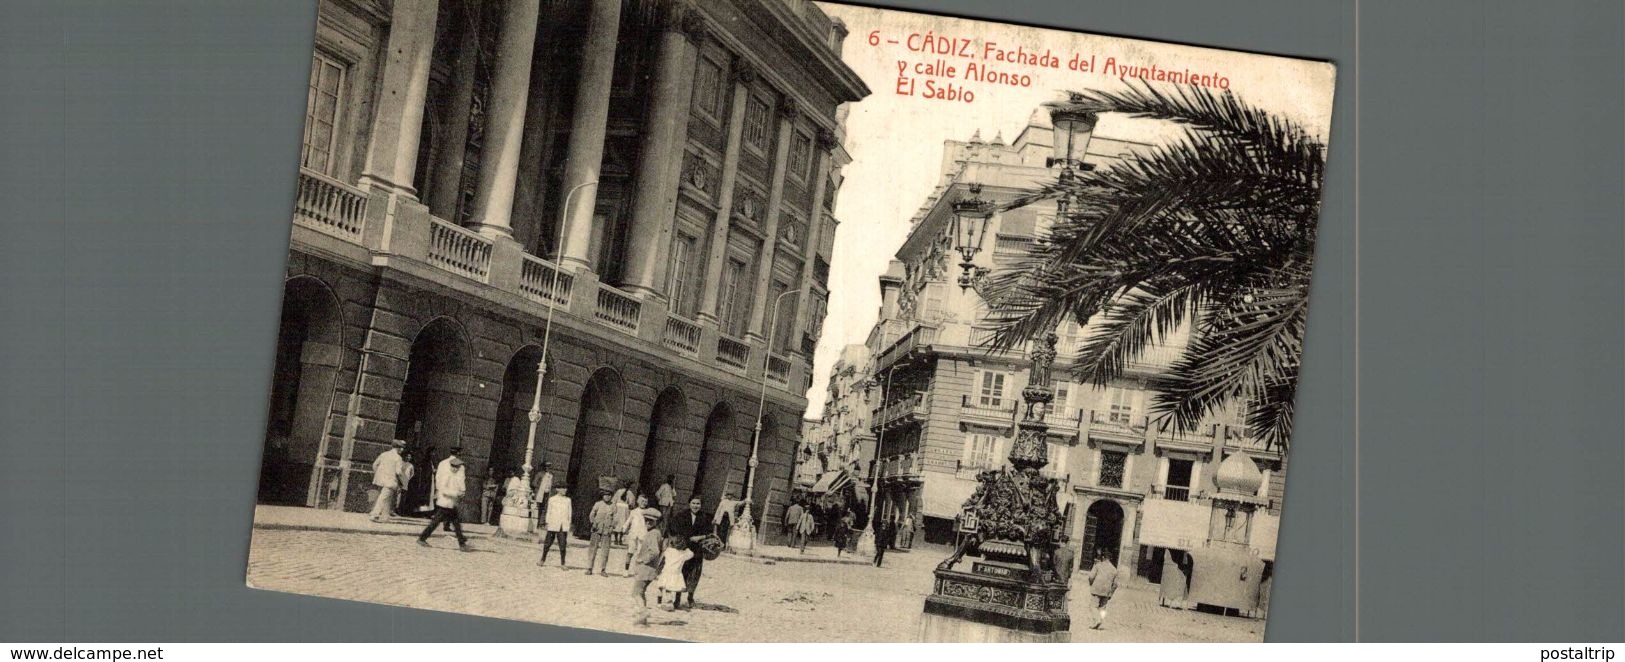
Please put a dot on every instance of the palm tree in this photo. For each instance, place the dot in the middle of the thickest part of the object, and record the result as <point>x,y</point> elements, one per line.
<point>1215,229</point>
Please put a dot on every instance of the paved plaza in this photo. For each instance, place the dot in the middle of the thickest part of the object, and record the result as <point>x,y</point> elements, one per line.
<point>343,556</point>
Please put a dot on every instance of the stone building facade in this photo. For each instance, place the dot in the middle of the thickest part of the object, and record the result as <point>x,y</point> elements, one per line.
<point>1134,490</point>
<point>622,182</point>
<point>842,438</point>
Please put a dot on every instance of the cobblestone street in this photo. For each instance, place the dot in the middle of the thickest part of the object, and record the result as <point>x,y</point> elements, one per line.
<point>740,600</point>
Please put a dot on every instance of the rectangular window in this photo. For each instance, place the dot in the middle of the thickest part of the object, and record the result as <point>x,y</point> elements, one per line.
<point>756,120</point>
<point>991,391</point>
<point>1112,465</point>
<point>323,107</point>
<point>784,318</point>
<point>981,451</point>
<point>679,283</point>
<point>1062,405</point>
<point>708,88</point>
<point>1180,474</point>
<point>800,156</point>
<point>1122,406</point>
<point>731,299</point>
<point>815,321</point>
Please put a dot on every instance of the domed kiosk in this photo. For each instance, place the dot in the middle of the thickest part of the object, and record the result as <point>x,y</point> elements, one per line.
<point>1223,572</point>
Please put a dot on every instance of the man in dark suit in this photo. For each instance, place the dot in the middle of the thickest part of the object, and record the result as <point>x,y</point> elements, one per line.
<point>692,525</point>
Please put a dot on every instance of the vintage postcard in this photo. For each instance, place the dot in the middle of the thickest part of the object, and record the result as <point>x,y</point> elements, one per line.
<point>775,320</point>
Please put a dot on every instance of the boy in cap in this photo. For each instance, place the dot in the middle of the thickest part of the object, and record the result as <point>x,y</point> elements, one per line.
<point>602,520</point>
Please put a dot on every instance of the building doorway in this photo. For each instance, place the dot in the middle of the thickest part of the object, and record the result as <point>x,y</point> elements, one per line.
<point>717,459</point>
<point>597,442</point>
<point>432,402</point>
<point>307,363</point>
<point>662,451</point>
<point>512,431</point>
<point>1102,531</point>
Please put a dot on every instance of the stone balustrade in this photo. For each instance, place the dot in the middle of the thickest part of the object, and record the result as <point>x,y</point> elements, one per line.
<point>327,205</point>
<point>402,233</point>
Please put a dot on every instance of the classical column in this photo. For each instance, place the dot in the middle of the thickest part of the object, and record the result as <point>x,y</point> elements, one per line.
<point>826,142</point>
<point>717,254</point>
<point>393,151</point>
<point>660,163</point>
<point>448,177</point>
<point>505,120</point>
<point>587,129</point>
<point>770,233</point>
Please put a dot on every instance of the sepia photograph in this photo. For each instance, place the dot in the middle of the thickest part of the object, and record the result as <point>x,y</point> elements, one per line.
<point>784,321</point>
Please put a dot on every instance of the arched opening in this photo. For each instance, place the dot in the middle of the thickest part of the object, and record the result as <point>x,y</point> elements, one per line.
<point>713,475</point>
<point>512,431</point>
<point>432,402</point>
<point>308,353</point>
<point>597,441</point>
<point>1102,531</point>
<point>662,451</point>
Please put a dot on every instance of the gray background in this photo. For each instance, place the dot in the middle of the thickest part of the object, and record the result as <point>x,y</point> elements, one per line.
<point>145,185</point>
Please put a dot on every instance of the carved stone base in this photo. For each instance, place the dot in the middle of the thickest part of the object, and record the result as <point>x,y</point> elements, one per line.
<point>949,629</point>
<point>994,608</point>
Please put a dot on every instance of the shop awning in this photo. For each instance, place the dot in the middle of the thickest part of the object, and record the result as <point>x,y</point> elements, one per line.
<point>831,481</point>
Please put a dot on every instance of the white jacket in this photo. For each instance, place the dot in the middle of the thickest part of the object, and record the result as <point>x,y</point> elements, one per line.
<point>450,482</point>
<point>386,469</point>
<point>559,513</point>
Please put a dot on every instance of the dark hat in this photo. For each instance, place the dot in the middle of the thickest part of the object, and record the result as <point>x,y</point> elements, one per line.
<point>456,461</point>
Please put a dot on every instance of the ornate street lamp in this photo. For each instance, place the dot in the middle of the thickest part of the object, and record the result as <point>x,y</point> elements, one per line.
<point>1018,520</point>
<point>971,216</point>
<point>1073,128</point>
<point>517,511</point>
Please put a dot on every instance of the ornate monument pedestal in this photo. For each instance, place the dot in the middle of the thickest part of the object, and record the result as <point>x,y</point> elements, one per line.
<point>1013,523</point>
<point>984,607</point>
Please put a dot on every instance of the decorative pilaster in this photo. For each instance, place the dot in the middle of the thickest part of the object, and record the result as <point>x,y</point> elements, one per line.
<point>505,124</point>
<point>661,161</point>
<point>393,151</point>
<point>585,154</point>
<point>788,112</point>
<point>826,142</point>
<point>717,253</point>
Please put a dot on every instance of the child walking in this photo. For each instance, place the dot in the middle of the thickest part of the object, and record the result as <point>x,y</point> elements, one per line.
<point>671,580</point>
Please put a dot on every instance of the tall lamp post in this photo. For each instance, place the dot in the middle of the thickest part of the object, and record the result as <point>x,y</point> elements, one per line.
<point>866,542</point>
<point>743,536</point>
<point>1017,498</point>
<point>517,514</point>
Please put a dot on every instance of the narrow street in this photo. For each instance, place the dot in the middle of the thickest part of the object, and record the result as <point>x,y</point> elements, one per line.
<point>740,599</point>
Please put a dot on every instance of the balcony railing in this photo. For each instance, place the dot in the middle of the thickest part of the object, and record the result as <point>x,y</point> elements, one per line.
<point>733,352</point>
<point>327,205</point>
<point>459,251</point>
<point>617,308</point>
<point>544,283</point>
<point>1012,245</point>
<point>914,404</point>
<point>920,335</point>
<point>993,409</point>
<point>778,368</point>
<point>1119,422</point>
<point>1176,493</point>
<point>1236,437</point>
<point>681,335</point>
